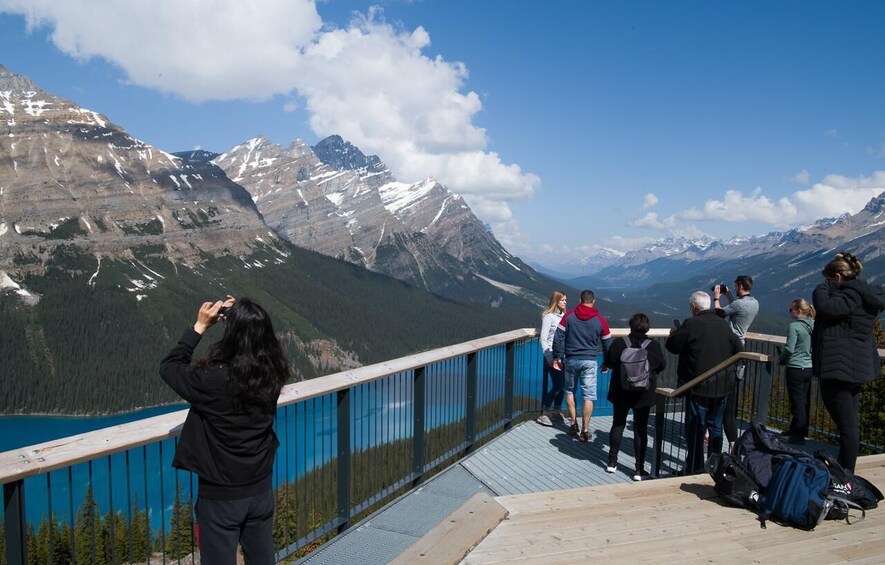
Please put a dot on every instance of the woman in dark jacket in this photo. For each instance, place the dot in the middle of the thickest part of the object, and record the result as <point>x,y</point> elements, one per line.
<point>844,355</point>
<point>228,438</point>
<point>640,401</point>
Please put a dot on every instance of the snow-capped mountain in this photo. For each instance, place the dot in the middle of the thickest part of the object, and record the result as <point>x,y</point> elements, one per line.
<point>791,256</point>
<point>335,200</point>
<point>70,177</point>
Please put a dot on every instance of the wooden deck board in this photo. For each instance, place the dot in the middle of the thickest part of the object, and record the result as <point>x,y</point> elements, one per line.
<point>676,520</point>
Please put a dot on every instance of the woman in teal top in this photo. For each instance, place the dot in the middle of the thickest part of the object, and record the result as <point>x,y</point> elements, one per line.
<point>796,355</point>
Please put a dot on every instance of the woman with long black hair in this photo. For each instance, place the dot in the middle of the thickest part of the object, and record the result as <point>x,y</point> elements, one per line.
<point>843,351</point>
<point>228,438</point>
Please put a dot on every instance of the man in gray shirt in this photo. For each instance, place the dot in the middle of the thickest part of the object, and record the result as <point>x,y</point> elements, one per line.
<point>739,313</point>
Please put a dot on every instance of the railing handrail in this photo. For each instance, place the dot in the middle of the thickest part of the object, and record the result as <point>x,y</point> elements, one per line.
<point>712,372</point>
<point>31,460</point>
<point>20,463</point>
<point>297,392</point>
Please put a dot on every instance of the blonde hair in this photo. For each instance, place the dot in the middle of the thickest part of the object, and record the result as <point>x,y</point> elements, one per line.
<point>803,307</point>
<point>554,303</point>
<point>844,264</point>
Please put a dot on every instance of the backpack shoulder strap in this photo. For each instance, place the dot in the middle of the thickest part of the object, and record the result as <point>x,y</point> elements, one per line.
<point>626,339</point>
<point>646,343</point>
<point>848,506</point>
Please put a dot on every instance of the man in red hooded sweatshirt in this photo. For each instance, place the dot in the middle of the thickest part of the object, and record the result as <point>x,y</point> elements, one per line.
<point>582,335</point>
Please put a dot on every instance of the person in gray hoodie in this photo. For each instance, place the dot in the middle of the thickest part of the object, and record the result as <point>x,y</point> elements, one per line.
<point>581,336</point>
<point>843,353</point>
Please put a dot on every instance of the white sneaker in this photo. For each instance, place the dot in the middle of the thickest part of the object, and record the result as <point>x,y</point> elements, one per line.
<point>610,469</point>
<point>544,420</point>
<point>637,477</point>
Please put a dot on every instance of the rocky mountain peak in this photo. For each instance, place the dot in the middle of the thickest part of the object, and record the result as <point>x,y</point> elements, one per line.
<point>10,81</point>
<point>876,205</point>
<point>100,189</point>
<point>343,155</point>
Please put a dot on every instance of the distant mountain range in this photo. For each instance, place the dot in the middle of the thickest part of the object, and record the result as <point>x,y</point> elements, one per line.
<point>784,265</point>
<point>108,245</point>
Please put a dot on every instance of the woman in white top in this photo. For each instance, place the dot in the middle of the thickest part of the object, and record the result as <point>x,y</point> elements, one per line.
<point>551,402</point>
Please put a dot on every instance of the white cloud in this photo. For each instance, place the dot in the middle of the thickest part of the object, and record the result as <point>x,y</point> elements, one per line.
<point>369,82</point>
<point>650,201</point>
<point>832,133</point>
<point>198,50</point>
<point>876,153</point>
<point>833,196</point>
<point>802,177</point>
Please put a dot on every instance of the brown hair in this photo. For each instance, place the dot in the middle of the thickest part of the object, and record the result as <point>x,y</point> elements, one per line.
<point>803,307</point>
<point>844,264</point>
<point>554,303</point>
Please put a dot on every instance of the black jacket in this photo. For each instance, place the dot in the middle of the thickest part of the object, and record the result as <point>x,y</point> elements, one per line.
<point>230,447</point>
<point>843,347</point>
<point>702,342</point>
<point>656,362</point>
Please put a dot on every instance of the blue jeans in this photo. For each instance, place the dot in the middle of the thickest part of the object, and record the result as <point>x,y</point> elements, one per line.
<point>702,413</point>
<point>582,371</point>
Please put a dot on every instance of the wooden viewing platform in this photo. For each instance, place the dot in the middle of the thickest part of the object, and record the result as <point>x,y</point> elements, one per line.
<point>673,520</point>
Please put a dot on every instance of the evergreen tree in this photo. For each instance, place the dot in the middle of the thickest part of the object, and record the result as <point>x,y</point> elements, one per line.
<point>89,546</point>
<point>31,546</point>
<point>284,521</point>
<point>139,535</point>
<point>116,538</point>
<point>61,550</point>
<point>180,540</point>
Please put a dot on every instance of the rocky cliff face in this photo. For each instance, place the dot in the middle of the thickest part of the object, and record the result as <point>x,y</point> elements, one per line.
<point>333,199</point>
<point>68,176</point>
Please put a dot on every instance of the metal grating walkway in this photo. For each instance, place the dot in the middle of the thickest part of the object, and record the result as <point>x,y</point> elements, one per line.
<point>529,458</point>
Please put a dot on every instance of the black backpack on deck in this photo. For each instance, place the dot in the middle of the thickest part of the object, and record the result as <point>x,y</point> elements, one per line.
<point>733,482</point>
<point>858,491</point>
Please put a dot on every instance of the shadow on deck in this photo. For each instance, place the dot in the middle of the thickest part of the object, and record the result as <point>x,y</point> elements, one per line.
<point>561,506</point>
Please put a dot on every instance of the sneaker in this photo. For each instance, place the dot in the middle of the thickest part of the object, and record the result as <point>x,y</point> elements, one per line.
<point>556,416</point>
<point>573,429</point>
<point>585,436</point>
<point>796,440</point>
<point>611,468</point>
<point>544,420</point>
<point>640,476</point>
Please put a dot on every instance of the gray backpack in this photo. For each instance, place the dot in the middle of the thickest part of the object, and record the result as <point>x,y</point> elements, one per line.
<point>635,369</point>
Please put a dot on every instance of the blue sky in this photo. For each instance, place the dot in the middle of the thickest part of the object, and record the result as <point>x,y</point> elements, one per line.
<point>567,125</point>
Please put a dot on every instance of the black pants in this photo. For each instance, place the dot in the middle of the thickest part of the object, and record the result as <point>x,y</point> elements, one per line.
<point>842,401</point>
<point>554,388</point>
<point>246,521</point>
<point>640,433</point>
<point>729,419</point>
<point>799,391</point>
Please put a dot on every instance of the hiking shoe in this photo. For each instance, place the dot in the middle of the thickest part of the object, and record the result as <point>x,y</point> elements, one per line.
<point>544,420</point>
<point>573,429</point>
<point>611,468</point>
<point>585,436</point>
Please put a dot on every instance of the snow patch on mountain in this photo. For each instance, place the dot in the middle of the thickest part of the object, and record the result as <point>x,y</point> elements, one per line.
<point>399,196</point>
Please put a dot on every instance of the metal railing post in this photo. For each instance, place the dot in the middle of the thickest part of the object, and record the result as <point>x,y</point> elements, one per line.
<point>657,455</point>
<point>470,400</point>
<point>418,390</point>
<point>343,459</point>
<point>509,380</point>
<point>14,519</point>
<point>763,392</point>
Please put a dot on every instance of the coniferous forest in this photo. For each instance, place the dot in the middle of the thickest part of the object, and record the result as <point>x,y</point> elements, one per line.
<point>94,340</point>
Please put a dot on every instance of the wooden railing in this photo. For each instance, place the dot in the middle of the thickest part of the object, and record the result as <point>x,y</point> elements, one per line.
<point>351,441</point>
